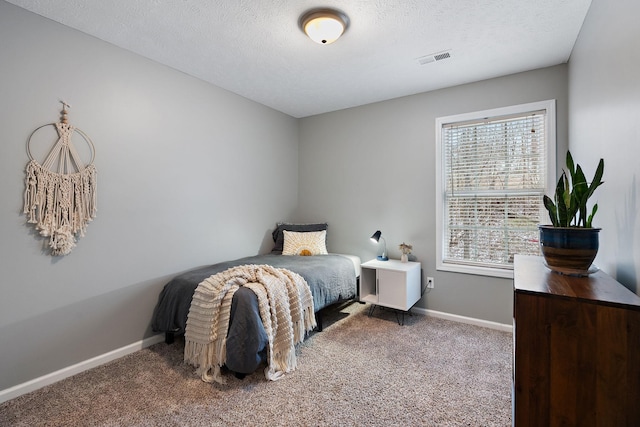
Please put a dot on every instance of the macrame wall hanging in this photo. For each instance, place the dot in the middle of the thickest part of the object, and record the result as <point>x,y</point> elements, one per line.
<point>60,194</point>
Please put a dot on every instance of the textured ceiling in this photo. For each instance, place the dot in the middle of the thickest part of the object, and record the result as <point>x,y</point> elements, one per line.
<point>255,48</point>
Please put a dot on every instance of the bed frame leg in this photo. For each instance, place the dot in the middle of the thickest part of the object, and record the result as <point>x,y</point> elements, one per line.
<point>169,337</point>
<point>318,321</point>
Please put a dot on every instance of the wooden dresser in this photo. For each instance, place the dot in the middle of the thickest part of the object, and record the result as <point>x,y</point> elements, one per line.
<point>576,349</point>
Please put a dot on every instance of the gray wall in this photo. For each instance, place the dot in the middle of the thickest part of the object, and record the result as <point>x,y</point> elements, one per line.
<point>604,117</point>
<point>188,174</point>
<point>372,167</point>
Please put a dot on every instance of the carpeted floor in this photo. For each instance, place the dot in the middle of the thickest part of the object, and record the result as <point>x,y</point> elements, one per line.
<point>361,371</point>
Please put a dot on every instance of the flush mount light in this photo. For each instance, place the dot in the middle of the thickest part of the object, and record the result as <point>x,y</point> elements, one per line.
<point>324,26</point>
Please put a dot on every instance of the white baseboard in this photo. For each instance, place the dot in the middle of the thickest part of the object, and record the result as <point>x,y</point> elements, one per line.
<point>61,374</point>
<point>463,319</point>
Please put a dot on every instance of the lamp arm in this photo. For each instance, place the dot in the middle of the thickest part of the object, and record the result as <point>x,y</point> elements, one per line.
<point>384,248</point>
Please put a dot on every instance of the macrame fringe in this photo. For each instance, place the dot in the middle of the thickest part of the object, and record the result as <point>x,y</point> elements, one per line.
<point>60,205</point>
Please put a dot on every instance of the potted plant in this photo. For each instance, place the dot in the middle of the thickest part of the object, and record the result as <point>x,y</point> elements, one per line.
<point>570,244</point>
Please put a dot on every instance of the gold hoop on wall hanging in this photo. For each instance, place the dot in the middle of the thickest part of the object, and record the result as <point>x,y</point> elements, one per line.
<point>60,194</point>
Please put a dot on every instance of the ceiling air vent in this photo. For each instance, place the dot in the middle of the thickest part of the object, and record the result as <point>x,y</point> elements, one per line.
<point>423,60</point>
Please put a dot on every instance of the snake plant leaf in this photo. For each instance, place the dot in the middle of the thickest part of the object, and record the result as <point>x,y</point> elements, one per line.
<point>593,212</point>
<point>551,208</point>
<point>570,164</point>
<point>580,186</point>
<point>566,190</point>
<point>586,194</point>
<point>580,191</point>
<point>561,200</point>
<point>597,179</point>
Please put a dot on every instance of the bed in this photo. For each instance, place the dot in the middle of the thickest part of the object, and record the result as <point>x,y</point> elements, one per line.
<point>331,277</point>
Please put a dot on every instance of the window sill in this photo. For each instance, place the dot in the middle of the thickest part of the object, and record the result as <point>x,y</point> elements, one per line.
<point>476,270</point>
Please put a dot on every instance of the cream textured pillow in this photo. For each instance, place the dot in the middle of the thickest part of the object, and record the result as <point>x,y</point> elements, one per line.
<point>307,243</point>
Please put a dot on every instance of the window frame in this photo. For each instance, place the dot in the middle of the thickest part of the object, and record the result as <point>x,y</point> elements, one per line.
<point>550,176</point>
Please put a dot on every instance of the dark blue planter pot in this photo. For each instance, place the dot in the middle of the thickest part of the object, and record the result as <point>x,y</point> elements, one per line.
<point>569,250</point>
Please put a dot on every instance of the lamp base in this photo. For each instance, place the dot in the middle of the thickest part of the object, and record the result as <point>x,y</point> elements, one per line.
<point>382,258</point>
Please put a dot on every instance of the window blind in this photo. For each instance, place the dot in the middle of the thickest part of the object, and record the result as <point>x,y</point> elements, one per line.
<point>494,180</point>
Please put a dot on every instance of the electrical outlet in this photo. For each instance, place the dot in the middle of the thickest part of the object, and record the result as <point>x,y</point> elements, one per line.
<point>430,282</point>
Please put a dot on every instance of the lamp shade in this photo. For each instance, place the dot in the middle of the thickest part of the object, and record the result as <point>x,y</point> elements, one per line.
<point>376,236</point>
<point>324,26</point>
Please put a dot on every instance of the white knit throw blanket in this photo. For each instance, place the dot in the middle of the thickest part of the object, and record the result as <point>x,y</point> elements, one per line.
<point>286,309</point>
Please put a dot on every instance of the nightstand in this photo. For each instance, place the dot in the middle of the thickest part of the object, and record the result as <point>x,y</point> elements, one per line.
<point>391,284</point>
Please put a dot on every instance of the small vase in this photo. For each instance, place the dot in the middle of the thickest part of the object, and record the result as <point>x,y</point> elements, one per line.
<point>404,258</point>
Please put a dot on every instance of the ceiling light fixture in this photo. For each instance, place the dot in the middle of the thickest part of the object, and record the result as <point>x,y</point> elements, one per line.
<point>324,26</point>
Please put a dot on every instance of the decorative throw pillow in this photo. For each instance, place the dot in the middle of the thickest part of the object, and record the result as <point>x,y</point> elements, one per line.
<point>278,233</point>
<point>309,243</point>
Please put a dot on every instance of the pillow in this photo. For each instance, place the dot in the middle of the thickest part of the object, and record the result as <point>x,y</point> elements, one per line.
<point>278,233</point>
<point>305,244</point>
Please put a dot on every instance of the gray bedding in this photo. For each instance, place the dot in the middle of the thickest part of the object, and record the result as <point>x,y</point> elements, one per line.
<point>332,278</point>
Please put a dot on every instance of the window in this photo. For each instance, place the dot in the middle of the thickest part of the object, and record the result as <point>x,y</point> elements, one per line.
<point>493,167</point>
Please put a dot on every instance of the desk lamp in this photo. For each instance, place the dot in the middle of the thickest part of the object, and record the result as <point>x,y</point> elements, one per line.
<point>377,236</point>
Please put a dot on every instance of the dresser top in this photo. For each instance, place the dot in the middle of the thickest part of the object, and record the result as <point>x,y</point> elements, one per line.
<point>532,276</point>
